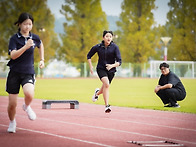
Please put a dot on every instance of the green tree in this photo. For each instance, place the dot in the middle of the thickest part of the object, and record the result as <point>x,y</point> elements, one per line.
<point>85,24</point>
<point>136,37</point>
<point>181,27</point>
<point>137,40</point>
<point>159,31</point>
<point>43,24</point>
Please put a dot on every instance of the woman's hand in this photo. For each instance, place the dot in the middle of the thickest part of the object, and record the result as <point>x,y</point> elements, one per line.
<point>41,64</point>
<point>91,69</point>
<point>109,66</point>
<point>29,43</point>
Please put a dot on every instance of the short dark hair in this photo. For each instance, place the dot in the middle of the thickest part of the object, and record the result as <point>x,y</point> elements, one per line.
<point>164,65</point>
<point>105,32</point>
<point>23,17</point>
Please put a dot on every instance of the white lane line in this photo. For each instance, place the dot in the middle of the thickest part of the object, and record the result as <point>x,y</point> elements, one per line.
<point>124,108</point>
<point>113,130</point>
<point>60,136</point>
<point>121,131</point>
<point>150,124</point>
<point>136,122</point>
<point>110,129</point>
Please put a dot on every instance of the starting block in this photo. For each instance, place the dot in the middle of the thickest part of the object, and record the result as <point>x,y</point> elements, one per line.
<point>74,104</point>
<point>155,143</point>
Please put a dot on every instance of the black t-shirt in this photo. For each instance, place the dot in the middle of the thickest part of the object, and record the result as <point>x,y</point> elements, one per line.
<point>24,63</point>
<point>173,79</point>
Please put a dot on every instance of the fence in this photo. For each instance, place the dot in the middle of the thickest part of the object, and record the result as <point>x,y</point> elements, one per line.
<point>60,69</point>
<point>181,68</point>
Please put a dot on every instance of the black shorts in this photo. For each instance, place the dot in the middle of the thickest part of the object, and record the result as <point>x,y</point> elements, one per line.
<point>104,73</point>
<point>15,79</point>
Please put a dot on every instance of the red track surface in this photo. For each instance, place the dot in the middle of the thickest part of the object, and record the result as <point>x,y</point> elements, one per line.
<point>90,126</point>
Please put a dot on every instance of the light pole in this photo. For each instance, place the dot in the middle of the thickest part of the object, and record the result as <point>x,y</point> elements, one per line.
<point>165,41</point>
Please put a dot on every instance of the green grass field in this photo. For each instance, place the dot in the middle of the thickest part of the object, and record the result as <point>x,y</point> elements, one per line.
<point>133,92</point>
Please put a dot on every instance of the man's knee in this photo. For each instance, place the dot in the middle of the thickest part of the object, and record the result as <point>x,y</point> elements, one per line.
<point>160,92</point>
<point>174,94</point>
<point>171,91</point>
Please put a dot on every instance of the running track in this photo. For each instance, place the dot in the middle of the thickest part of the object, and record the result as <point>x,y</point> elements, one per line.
<point>89,126</point>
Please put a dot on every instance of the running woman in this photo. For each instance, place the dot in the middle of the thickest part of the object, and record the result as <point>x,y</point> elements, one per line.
<point>21,50</point>
<point>109,58</point>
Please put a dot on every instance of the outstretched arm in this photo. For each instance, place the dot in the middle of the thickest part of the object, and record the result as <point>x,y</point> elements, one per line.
<point>41,54</point>
<point>90,65</point>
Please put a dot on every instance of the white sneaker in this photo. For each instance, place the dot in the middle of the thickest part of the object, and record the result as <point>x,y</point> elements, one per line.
<point>12,127</point>
<point>31,114</point>
<point>95,96</point>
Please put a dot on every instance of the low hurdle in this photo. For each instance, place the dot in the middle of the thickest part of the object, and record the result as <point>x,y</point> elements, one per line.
<point>155,143</point>
<point>74,104</point>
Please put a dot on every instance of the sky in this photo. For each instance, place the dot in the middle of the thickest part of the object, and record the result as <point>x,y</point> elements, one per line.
<point>113,7</point>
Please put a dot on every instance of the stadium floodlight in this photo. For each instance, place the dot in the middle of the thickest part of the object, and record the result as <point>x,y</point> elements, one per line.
<point>165,41</point>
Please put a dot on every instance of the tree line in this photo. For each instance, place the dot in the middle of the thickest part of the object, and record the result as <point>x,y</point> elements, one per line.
<point>137,36</point>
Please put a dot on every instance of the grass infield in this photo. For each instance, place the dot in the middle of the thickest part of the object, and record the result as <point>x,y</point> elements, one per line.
<point>124,92</point>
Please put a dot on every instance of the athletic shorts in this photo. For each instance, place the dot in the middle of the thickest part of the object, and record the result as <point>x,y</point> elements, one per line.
<point>15,79</point>
<point>104,73</point>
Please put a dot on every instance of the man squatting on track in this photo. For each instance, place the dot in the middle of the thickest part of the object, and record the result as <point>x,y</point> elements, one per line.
<point>21,50</point>
<point>170,88</point>
<point>109,58</point>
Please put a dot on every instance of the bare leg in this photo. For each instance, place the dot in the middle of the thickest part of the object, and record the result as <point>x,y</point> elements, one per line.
<point>28,90</point>
<point>100,90</point>
<point>105,89</point>
<point>12,106</point>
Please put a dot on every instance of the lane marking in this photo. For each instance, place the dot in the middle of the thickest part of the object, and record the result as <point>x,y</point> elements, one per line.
<point>37,103</point>
<point>150,124</point>
<point>114,130</point>
<point>136,122</point>
<point>121,131</point>
<point>60,136</point>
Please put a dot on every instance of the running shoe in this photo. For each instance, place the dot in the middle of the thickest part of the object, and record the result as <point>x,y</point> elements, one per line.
<point>31,114</point>
<point>12,127</point>
<point>176,105</point>
<point>168,105</point>
<point>95,96</point>
<point>107,109</point>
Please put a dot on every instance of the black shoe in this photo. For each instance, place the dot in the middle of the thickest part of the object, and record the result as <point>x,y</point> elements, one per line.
<point>107,109</point>
<point>176,105</point>
<point>169,105</point>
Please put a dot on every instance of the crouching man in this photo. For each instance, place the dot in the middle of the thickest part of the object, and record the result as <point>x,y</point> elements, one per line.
<point>170,89</point>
